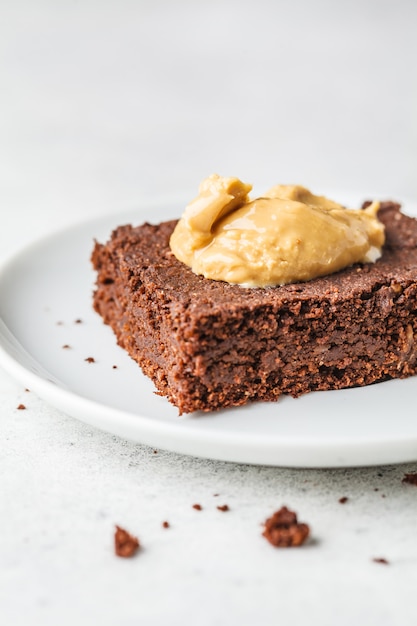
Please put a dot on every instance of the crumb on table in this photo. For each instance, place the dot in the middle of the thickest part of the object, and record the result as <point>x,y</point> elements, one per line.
<point>125,544</point>
<point>283,530</point>
<point>410,479</point>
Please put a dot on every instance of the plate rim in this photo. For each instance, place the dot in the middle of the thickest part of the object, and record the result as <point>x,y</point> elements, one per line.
<point>323,455</point>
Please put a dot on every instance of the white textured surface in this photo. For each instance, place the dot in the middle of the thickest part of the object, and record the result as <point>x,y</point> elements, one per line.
<point>103,104</point>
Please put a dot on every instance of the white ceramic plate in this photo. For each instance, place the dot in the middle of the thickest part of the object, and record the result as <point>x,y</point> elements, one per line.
<point>48,286</point>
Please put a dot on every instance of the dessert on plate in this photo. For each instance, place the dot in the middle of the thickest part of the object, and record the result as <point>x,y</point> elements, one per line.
<point>244,300</point>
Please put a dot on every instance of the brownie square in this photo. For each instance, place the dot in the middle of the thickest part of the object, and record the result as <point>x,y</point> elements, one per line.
<point>209,344</point>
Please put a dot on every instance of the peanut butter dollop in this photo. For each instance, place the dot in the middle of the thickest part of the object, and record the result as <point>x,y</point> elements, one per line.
<point>288,235</point>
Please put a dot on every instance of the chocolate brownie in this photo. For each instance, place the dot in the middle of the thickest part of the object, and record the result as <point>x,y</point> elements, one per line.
<point>209,344</point>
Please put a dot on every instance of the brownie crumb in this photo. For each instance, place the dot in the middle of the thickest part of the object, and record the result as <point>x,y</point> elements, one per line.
<point>125,544</point>
<point>90,359</point>
<point>410,479</point>
<point>343,500</point>
<point>66,346</point>
<point>381,560</point>
<point>115,367</point>
<point>283,530</point>
<point>21,407</point>
<point>197,507</point>
<point>155,451</point>
<point>27,390</point>
<point>223,507</point>
<point>165,524</point>
<point>78,321</point>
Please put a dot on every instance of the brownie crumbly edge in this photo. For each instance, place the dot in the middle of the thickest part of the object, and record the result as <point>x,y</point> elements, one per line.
<point>208,344</point>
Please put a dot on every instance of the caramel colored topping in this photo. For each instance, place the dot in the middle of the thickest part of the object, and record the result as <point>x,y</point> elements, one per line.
<point>288,235</point>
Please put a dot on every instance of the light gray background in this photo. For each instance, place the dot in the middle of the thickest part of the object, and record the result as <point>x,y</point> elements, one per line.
<point>104,104</point>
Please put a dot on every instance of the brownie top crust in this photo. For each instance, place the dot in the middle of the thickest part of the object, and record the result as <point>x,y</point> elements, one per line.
<point>150,244</point>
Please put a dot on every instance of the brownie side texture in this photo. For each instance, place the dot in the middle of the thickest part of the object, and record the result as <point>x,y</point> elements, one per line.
<point>208,344</point>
